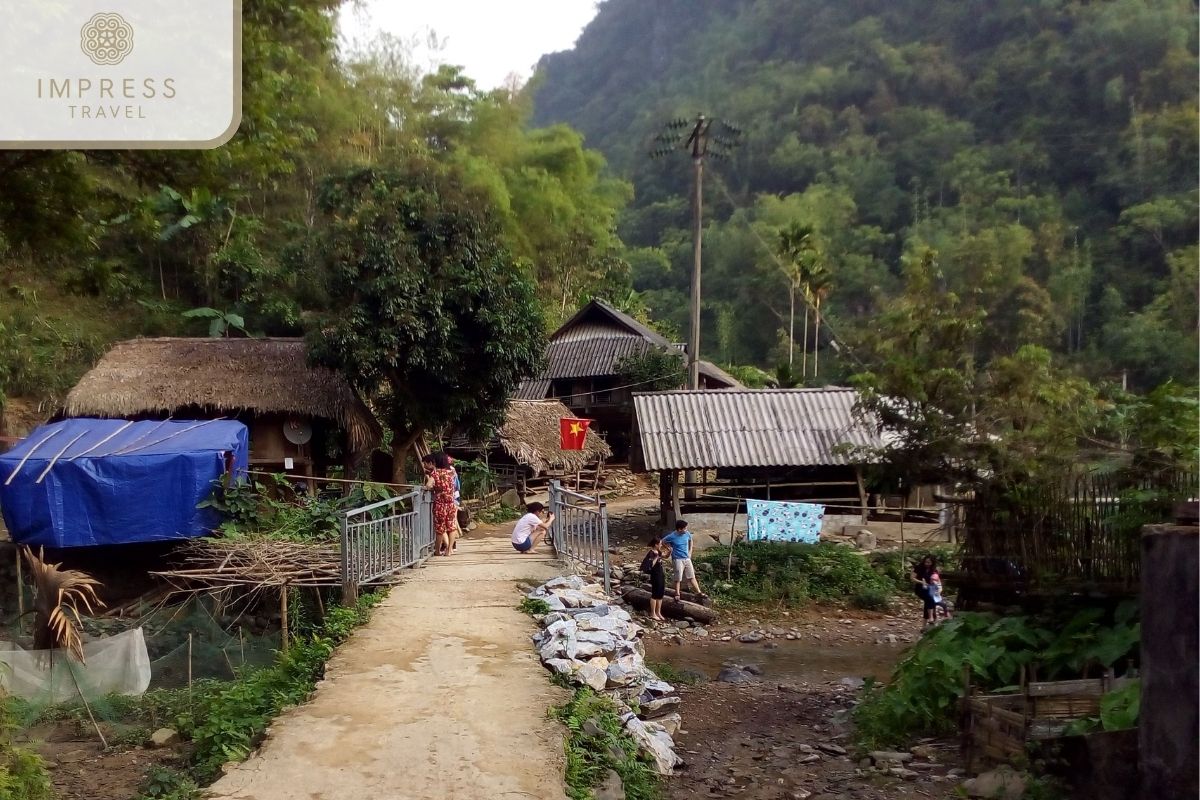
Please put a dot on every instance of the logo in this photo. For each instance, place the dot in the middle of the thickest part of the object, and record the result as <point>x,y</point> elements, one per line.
<point>106,39</point>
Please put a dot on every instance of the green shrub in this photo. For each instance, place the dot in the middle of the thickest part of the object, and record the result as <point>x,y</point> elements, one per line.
<point>164,783</point>
<point>23,774</point>
<point>872,599</point>
<point>791,573</point>
<point>534,606</point>
<point>926,686</point>
<point>590,756</point>
<point>898,571</point>
<point>672,675</point>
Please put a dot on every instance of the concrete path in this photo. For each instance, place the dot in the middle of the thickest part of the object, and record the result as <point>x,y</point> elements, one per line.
<point>440,696</point>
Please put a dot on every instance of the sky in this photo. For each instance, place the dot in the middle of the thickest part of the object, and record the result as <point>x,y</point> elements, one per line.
<point>492,39</point>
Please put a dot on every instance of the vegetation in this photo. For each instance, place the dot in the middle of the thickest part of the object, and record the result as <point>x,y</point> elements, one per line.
<point>430,316</point>
<point>23,774</point>
<point>654,370</point>
<point>591,755</point>
<point>897,569</point>
<point>791,574</point>
<point>533,606</point>
<point>672,675</point>
<point>925,687</point>
<point>1045,155</point>
<point>271,508</point>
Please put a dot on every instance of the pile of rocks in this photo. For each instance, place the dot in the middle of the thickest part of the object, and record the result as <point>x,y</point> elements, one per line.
<point>588,638</point>
<point>621,481</point>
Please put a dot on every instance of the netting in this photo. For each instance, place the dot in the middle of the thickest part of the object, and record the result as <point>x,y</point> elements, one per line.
<point>166,647</point>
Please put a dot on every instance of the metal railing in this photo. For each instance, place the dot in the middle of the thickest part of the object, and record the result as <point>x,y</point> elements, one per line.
<point>383,538</point>
<point>580,529</point>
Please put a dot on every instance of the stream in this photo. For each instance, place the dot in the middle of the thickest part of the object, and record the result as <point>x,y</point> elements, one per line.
<point>793,661</point>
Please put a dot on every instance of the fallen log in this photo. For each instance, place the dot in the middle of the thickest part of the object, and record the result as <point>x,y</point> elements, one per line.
<point>700,600</point>
<point>679,609</point>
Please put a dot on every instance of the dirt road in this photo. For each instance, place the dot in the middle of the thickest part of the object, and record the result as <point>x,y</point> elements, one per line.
<point>440,696</point>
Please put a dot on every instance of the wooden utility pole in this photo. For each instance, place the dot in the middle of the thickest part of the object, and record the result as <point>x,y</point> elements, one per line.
<point>700,143</point>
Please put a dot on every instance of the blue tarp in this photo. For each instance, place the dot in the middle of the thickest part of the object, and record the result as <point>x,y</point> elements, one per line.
<point>111,481</point>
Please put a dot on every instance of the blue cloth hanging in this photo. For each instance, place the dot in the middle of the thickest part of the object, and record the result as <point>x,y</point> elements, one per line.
<point>775,521</point>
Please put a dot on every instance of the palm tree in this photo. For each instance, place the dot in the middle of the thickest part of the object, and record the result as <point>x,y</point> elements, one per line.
<point>797,254</point>
<point>820,282</point>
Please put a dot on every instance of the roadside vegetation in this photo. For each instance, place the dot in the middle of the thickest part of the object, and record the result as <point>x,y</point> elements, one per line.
<point>1060,644</point>
<point>596,743</point>
<point>220,721</point>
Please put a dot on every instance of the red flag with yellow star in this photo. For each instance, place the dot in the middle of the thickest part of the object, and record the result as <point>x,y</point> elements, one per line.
<point>574,432</point>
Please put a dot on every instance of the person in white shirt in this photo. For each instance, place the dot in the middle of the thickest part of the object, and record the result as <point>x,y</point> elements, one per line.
<point>530,528</point>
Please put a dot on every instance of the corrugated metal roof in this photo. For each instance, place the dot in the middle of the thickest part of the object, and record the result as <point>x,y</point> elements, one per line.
<point>532,389</point>
<point>590,357</point>
<point>749,428</point>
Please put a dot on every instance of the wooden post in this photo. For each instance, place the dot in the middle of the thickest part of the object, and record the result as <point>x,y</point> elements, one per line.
<point>675,497</point>
<point>862,492</point>
<point>283,617</point>
<point>20,587</point>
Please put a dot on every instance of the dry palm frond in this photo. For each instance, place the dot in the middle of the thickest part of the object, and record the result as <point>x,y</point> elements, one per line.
<point>60,594</point>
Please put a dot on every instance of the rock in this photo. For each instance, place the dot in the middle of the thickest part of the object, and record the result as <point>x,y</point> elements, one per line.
<point>591,727</point>
<point>610,788</point>
<point>906,774</point>
<point>831,748</point>
<point>753,669</point>
<point>734,675</point>
<point>753,622</point>
<point>865,540</point>
<point>671,723</point>
<point>811,758</point>
<point>895,757</point>
<point>625,671</point>
<point>791,637</point>
<point>659,706</point>
<point>592,676</point>
<point>751,637</point>
<point>682,624</point>
<point>776,631</point>
<point>563,666</point>
<point>1002,783</point>
<point>852,682</point>
<point>511,499</point>
<point>887,638</point>
<point>701,632</point>
<point>705,568</point>
<point>164,737</point>
<point>654,741</point>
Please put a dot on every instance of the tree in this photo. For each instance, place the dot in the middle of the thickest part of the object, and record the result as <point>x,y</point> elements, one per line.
<point>797,254</point>
<point>431,318</point>
<point>656,369</point>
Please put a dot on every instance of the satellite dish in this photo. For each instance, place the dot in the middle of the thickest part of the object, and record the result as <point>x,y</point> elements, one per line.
<point>297,431</point>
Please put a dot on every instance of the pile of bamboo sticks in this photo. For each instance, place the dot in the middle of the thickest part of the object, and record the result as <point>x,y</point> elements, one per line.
<point>217,563</point>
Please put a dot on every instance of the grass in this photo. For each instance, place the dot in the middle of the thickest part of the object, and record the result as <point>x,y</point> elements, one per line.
<point>671,675</point>
<point>533,606</point>
<point>498,515</point>
<point>591,755</point>
<point>793,575</point>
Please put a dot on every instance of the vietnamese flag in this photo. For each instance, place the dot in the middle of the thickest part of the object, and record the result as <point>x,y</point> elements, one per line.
<point>574,432</point>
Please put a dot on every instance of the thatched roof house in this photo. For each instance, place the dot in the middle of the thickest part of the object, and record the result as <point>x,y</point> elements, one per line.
<point>264,379</point>
<point>531,435</point>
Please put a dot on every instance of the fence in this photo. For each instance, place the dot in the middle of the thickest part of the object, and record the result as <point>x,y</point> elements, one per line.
<point>580,529</point>
<point>385,537</point>
<point>1080,533</point>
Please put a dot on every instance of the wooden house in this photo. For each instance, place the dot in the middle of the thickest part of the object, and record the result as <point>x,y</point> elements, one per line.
<point>302,419</point>
<point>582,370</point>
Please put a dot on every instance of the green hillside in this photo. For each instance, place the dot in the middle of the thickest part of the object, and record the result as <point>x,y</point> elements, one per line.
<point>1039,158</point>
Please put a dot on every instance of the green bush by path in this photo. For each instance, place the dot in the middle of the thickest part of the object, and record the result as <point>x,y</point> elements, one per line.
<point>922,696</point>
<point>590,756</point>
<point>790,573</point>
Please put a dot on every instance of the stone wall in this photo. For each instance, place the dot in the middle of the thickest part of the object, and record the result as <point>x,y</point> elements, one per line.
<point>1169,719</point>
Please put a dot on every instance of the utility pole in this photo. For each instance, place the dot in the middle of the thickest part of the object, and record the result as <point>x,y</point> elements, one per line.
<point>700,144</point>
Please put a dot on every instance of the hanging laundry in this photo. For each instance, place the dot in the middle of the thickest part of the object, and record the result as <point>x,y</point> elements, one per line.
<point>775,521</point>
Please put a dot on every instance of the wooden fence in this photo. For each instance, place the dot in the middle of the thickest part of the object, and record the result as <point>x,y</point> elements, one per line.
<point>1077,534</point>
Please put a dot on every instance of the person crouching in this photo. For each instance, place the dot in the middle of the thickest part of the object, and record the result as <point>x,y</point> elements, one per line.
<point>531,528</point>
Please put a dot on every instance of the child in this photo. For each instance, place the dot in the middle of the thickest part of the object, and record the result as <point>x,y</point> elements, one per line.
<point>652,565</point>
<point>935,594</point>
<point>680,542</point>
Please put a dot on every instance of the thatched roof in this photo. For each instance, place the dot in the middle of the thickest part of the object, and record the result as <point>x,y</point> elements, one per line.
<point>160,376</point>
<point>531,435</point>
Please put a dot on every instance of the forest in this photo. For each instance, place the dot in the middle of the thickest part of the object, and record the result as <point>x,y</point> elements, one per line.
<point>1039,159</point>
<point>988,210</point>
<point>97,246</point>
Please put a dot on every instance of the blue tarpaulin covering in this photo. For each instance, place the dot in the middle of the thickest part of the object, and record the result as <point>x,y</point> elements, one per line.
<point>86,482</point>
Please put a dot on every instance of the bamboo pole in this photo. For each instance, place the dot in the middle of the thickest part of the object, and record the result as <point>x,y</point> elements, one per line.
<point>283,616</point>
<point>58,455</point>
<point>32,450</point>
<point>189,671</point>
<point>20,586</point>
<point>102,441</point>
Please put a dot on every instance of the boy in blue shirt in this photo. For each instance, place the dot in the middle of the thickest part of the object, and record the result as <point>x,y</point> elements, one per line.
<point>680,542</point>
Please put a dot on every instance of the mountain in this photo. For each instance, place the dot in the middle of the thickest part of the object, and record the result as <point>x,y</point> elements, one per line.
<point>1042,154</point>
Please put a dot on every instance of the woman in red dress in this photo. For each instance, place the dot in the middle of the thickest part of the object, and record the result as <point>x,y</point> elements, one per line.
<point>439,478</point>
